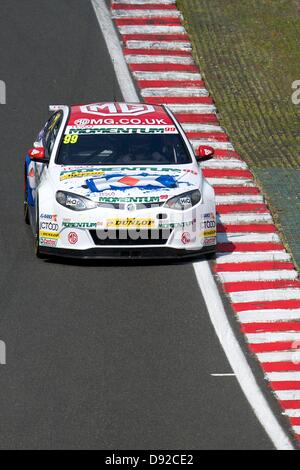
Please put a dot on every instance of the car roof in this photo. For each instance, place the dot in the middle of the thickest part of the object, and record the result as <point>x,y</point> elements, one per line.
<point>119,114</point>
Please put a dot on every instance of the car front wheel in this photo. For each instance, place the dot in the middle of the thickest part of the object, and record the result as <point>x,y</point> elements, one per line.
<point>26,209</point>
<point>37,232</point>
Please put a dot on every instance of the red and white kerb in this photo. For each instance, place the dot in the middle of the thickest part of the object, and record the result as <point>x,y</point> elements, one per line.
<point>252,264</point>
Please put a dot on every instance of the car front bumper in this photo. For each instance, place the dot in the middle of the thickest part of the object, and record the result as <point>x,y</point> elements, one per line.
<point>153,253</point>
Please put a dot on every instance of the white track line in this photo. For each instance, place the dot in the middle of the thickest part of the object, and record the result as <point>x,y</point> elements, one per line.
<point>236,357</point>
<point>244,257</point>
<point>283,377</point>
<point>159,59</point>
<point>145,13</point>
<point>115,50</point>
<point>248,237</point>
<point>167,76</point>
<point>201,127</point>
<point>257,316</point>
<point>278,356</point>
<point>149,92</point>
<point>265,295</point>
<point>240,198</point>
<point>247,218</point>
<point>223,375</point>
<point>239,276</point>
<point>273,337</point>
<point>225,163</point>
<point>162,45</point>
<point>193,108</point>
<point>292,413</point>
<point>214,303</point>
<point>153,29</point>
<point>288,394</point>
<point>231,182</point>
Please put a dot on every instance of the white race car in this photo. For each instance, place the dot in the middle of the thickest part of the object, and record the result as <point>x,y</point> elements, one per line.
<point>109,180</point>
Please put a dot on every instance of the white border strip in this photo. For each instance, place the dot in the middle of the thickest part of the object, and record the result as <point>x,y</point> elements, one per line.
<point>115,51</point>
<point>203,273</point>
<point>236,357</point>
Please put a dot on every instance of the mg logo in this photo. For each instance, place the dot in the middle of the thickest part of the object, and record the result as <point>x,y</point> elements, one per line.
<point>117,109</point>
<point>2,92</point>
<point>2,353</point>
<point>131,207</point>
<point>82,122</point>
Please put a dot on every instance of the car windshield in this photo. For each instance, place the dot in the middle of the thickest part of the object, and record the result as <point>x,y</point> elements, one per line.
<point>132,149</point>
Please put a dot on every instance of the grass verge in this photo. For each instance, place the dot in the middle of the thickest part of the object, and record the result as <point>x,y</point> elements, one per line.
<point>248,52</point>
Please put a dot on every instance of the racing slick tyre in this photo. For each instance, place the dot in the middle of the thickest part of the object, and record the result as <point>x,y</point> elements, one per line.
<point>37,233</point>
<point>26,210</point>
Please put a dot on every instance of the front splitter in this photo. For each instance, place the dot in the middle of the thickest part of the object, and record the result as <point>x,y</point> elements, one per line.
<point>125,253</point>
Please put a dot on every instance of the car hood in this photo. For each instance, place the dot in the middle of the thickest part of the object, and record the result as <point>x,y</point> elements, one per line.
<point>119,182</point>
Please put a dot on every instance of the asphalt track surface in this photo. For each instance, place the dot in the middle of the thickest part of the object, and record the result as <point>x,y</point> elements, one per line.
<point>98,356</point>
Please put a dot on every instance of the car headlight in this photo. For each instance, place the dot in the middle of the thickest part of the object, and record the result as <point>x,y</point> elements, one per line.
<point>184,201</point>
<point>74,201</point>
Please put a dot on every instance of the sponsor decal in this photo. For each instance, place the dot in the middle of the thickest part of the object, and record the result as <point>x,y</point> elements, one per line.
<point>124,169</point>
<point>208,224</point>
<point>72,238</point>
<point>90,173</point>
<point>49,235</point>
<point>120,130</point>
<point>48,242</point>
<point>117,109</point>
<point>192,172</point>
<point>185,238</point>
<point>177,224</point>
<point>185,201</point>
<point>51,217</point>
<point>210,215</point>
<point>210,233</point>
<point>66,175</point>
<point>51,226</point>
<point>71,139</point>
<point>130,223</point>
<point>135,200</point>
<point>143,181</point>
<point>82,122</point>
<point>80,225</point>
<point>209,241</point>
<point>121,115</point>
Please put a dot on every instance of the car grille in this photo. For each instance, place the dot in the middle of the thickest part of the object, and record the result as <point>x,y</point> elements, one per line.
<point>130,238</point>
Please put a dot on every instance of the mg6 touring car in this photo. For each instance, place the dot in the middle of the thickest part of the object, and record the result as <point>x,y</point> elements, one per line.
<point>108,180</point>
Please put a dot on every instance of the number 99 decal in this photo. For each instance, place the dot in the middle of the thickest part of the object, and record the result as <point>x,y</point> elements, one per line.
<point>70,139</point>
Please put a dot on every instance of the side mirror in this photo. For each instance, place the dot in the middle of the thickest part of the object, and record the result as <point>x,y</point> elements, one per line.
<point>38,155</point>
<point>204,153</point>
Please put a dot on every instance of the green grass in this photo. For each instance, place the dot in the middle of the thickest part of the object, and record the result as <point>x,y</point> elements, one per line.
<point>248,52</point>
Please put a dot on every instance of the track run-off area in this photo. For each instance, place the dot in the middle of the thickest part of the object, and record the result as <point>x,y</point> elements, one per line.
<point>256,273</point>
